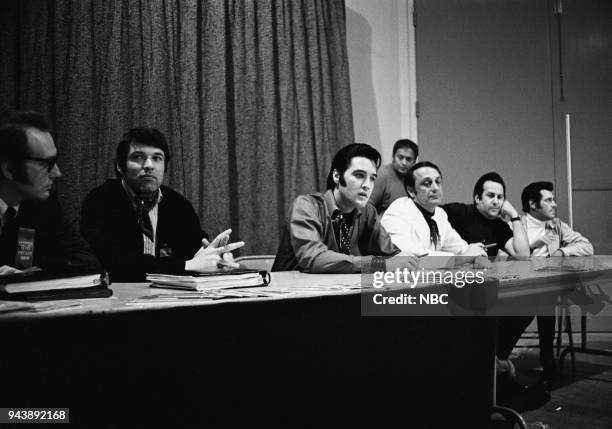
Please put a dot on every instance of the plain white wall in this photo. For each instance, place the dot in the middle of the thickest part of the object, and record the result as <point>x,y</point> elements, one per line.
<point>380,39</point>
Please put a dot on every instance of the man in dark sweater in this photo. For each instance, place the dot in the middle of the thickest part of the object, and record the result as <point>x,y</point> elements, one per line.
<point>483,221</point>
<point>390,181</point>
<point>33,229</point>
<point>486,221</point>
<point>136,225</point>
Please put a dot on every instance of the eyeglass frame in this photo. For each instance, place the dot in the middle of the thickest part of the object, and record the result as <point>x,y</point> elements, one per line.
<point>51,161</point>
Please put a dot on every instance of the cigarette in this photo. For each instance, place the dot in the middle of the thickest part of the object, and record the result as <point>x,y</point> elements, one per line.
<point>487,246</point>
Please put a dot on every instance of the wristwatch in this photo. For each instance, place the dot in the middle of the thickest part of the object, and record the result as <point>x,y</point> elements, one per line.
<point>512,219</point>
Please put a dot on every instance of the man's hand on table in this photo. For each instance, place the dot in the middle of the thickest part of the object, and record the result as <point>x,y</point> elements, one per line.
<point>411,262</point>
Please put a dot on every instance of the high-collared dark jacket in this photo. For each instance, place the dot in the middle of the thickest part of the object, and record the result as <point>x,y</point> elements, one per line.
<point>110,225</point>
<point>58,248</point>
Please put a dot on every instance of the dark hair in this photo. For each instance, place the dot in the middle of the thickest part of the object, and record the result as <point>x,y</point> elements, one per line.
<point>142,135</point>
<point>491,176</point>
<point>532,193</point>
<point>343,158</point>
<point>406,144</point>
<point>13,137</point>
<point>409,177</point>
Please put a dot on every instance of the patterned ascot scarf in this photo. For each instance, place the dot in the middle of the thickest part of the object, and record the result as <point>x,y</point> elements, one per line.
<point>143,207</point>
<point>434,233</point>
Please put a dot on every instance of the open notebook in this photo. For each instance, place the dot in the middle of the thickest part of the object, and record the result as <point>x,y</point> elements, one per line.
<point>221,279</point>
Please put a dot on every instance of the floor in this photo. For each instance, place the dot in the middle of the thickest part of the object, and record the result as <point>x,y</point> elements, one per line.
<point>580,400</point>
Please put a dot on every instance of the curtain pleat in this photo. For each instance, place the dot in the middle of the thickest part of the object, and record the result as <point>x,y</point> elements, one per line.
<point>253,96</point>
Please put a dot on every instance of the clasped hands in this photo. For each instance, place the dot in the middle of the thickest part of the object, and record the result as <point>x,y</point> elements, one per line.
<point>215,254</point>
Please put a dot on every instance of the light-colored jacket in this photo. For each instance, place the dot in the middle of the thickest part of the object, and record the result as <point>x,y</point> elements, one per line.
<point>559,236</point>
<point>409,230</point>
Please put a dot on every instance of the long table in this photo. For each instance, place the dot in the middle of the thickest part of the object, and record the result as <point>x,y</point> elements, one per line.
<point>302,357</point>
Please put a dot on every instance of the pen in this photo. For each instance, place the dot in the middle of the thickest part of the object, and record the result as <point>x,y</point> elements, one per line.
<point>421,255</point>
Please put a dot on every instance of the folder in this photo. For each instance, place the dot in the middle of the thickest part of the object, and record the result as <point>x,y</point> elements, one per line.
<point>218,279</point>
<point>40,285</point>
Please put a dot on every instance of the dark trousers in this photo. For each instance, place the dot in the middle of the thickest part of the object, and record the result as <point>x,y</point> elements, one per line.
<point>510,329</point>
<point>546,332</point>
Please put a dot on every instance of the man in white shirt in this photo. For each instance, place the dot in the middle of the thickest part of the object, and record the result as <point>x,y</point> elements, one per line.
<point>548,237</point>
<point>418,226</point>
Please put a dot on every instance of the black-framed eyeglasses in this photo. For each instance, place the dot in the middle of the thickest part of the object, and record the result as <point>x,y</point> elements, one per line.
<point>48,162</point>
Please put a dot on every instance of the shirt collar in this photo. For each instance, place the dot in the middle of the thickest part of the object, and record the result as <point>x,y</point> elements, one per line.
<point>334,210</point>
<point>483,217</point>
<point>399,176</point>
<point>537,223</point>
<point>425,213</point>
<point>4,207</point>
<point>134,199</point>
<point>534,222</point>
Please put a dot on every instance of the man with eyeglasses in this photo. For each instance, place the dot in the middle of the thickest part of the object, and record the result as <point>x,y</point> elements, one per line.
<point>136,225</point>
<point>33,229</point>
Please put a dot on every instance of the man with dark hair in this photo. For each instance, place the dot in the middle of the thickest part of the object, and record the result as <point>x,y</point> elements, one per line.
<point>548,236</point>
<point>30,214</point>
<point>485,220</point>
<point>136,225</point>
<point>390,182</point>
<point>338,231</point>
<point>417,224</point>
<point>152,136</point>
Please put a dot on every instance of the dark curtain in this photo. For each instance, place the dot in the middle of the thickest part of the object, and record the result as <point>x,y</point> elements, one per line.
<point>253,96</point>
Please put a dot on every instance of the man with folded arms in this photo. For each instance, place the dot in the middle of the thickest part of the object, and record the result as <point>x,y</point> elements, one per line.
<point>548,237</point>
<point>390,182</point>
<point>136,225</point>
<point>417,225</point>
<point>30,214</point>
<point>338,231</point>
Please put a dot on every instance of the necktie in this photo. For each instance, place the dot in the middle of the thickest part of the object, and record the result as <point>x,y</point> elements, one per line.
<point>144,221</point>
<point>434,233</point>
<point>346,230</point>
<point>9,216</point>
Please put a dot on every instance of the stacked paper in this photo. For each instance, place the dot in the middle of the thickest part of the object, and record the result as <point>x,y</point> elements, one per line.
<point>207,281</point>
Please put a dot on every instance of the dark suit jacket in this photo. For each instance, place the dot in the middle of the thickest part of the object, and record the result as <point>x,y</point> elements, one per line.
<point>57,246</point>
<point>110,225</point>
